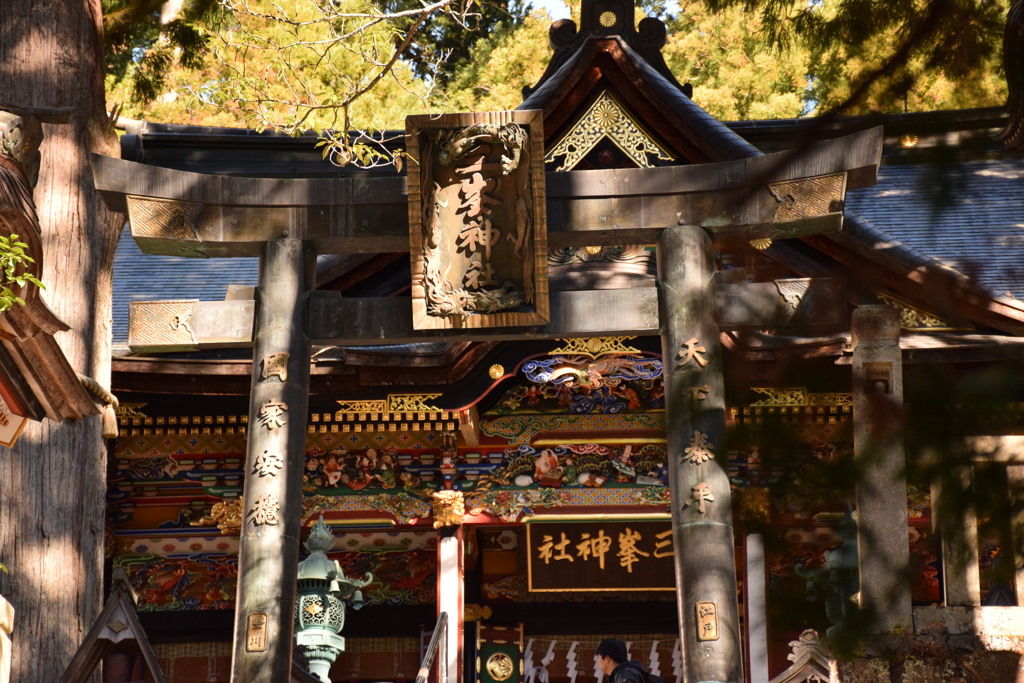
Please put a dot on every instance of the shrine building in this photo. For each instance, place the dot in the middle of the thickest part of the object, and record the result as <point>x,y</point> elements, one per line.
<point>740,394</point>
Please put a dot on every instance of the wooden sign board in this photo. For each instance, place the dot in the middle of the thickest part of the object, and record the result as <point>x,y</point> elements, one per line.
<point>601,555</point>
<point>477,220</point>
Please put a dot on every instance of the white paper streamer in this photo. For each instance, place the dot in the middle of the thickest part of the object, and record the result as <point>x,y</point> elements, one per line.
<point>677,661</point>
<point>653,664</point>
<point>570,661</point>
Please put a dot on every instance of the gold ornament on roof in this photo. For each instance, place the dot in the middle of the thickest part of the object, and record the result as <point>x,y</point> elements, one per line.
<point>606,119</point>
<point>608,19</point>
<point>594,347</point>
<point>496,371</point>
<point>761,243</point>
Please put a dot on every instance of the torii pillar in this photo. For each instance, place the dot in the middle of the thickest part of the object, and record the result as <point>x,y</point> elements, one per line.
<point>701,506</point>
<point>268,555</point>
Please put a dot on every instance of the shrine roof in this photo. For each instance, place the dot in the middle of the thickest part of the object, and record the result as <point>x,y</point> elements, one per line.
<point>713,137</point>
<point>967,216</point>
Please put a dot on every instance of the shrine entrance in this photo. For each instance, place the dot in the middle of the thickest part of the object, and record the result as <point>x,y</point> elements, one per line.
<point>493,207</point>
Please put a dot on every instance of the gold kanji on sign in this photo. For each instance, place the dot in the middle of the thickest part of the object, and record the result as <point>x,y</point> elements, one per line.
<point>272,415</point>
<point>276,365</point>
<point>699,450</point>
<point>264,510</point>
<point>268,464</point>
<point>691,351</point>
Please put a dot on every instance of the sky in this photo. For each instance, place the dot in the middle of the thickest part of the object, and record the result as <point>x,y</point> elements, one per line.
<point>556,8</point>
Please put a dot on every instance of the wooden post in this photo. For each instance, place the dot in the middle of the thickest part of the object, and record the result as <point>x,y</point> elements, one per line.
<point>450,598</point>
<point>883,548</point>
<point>756,609</point>
<point>957,526</point>
<point>695,426</point>
<point>1015,484</point>
<point>268,555</point>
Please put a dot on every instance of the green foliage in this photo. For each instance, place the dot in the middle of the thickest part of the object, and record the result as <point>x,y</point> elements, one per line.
<point>873,55</point>
<point>142,49</point>
<point>445,44</point>
<point>514,55</point>
<point>735,71</point>
<point>12,260</point>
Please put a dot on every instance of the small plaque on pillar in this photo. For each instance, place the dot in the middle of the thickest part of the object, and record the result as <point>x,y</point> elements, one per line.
<point>707,621</point>
<point>477,220</point>
<point>256,636</point>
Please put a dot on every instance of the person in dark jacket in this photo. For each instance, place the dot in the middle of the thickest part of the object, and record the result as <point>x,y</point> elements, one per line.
<point>611,660</point>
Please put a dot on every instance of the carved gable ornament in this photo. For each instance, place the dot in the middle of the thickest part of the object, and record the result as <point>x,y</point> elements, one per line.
<point>477,225</point>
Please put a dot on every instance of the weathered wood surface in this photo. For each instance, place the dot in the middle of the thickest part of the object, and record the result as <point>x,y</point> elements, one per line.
<point>194,214</point>
<point>157,326</point>
<point>268,553</point>
<point>700,501</point>
<point>53,482</point>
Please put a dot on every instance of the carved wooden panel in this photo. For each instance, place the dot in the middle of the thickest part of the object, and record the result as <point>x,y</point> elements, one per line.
<point>477,221</point>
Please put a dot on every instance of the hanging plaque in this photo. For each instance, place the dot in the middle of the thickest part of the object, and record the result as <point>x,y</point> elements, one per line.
<point>478,232</point>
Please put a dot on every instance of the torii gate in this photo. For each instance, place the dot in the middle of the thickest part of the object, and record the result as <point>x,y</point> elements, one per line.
<point>684,210</point>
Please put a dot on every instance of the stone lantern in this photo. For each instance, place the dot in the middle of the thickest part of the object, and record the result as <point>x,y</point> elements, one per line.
<point>320,607</point>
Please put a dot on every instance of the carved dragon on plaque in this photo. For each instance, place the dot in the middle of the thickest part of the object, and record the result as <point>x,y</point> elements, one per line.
<point>478,158</point>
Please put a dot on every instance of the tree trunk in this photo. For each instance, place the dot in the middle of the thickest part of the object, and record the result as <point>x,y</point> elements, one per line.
<point>52,483</point>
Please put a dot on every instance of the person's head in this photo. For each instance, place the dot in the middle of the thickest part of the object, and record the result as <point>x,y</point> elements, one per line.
<point>610,653</point>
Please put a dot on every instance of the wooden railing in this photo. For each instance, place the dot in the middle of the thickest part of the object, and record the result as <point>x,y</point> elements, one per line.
<point>438,638</point>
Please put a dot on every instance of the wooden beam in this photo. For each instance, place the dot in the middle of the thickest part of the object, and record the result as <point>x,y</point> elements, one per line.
<point>775,195</point>
<point>188,325</point>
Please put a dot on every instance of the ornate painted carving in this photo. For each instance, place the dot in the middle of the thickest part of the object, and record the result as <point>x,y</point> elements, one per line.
<point>584,371</point>
<point>394,404</point>
<point>773,396</point>
<point>19,139</point>
<point>477,220</point>
<point>449,508</point>
<point>808,197</point>
<point>699,451</point>
<point>164,218</point>
<point>226,515</point>
<point>637,254</point>
<point>594,347</point>
<point>606,119</point>
<point>792,291</point>
<point>156,323</point>
<point>914,319</point>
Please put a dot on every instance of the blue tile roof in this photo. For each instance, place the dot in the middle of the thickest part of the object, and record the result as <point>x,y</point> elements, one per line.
<point>145,277</point>
<point>967,216</point>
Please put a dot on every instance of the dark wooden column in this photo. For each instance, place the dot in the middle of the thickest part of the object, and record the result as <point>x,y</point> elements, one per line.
<point>695,426</point>
<point>268,555</point>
